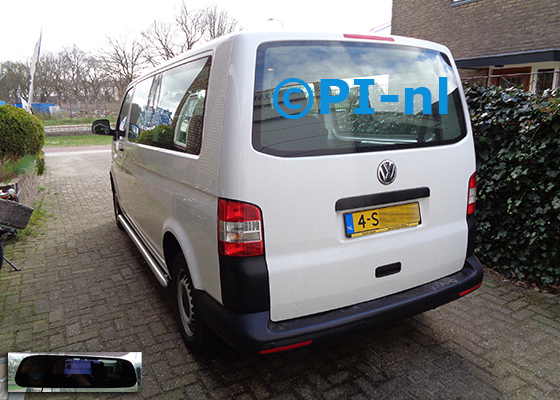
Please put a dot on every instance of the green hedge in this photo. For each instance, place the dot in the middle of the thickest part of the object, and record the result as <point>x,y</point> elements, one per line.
<point>21,133</point>
<point>517,137</point>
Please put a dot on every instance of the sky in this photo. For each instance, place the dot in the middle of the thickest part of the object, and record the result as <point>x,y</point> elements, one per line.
<point>65,23</point>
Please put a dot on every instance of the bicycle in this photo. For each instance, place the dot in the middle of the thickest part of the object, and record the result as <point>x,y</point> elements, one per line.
<point>13,216</point>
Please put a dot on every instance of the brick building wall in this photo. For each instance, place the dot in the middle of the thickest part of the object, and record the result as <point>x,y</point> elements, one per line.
<point>473,28</point>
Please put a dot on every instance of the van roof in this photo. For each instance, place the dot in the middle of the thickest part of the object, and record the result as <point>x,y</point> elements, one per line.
<point>268,36</point>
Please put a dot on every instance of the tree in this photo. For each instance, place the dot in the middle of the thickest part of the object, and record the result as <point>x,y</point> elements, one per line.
<point>164,39</point>
<point>218,22</point>
<point>159,42</point>
<point>94,79</point>
<point>123,62</point>
<point>49,78</point>
<point>72,74</point>
<point>191,23</point>
<point>74,62</point>
<point>15,83</point>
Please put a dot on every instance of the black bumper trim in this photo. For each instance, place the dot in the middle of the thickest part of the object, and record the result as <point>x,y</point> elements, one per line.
<point>254,332</point>
<point>377,199</point>
<point>244,282</point>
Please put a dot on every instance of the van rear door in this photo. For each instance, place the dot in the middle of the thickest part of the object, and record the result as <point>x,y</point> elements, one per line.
<point>364,153</point>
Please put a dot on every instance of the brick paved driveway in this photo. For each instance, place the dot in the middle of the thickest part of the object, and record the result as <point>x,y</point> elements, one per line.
<point>84,287</point>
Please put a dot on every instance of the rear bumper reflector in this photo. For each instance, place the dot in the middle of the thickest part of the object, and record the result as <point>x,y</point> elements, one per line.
<point>284,348</point>
<point>470,290</point>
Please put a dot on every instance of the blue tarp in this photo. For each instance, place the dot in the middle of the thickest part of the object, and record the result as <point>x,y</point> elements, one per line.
<point>38,107</point>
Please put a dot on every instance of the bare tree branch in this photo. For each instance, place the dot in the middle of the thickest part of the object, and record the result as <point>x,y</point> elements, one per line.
<point>159,42</point>
<point>73,61</point>
<point>217,22</point>
<point>164,39</point>
<point>191,23</point>
<point>123,61</point>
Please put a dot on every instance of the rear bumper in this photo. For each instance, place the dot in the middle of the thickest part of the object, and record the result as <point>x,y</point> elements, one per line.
<point>252,333</point>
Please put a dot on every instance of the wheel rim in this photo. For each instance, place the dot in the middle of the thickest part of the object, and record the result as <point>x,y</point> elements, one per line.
<point>185,303</point>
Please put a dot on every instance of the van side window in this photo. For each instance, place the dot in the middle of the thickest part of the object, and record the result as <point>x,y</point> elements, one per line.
<point>123,115</point>
<point>169,108</point>
<point>138,111</point>
<point>184,95</point>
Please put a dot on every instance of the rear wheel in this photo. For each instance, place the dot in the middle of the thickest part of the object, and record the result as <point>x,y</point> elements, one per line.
<point>195,333</point>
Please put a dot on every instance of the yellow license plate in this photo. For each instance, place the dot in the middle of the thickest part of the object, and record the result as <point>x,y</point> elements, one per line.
<point>382,219</point>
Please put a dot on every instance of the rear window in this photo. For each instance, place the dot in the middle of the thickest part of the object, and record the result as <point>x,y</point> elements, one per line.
<point>325,97</point>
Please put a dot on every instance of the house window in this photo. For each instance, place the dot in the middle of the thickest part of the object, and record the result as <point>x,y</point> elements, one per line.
<point>508,77</point>
<point>545,79</point>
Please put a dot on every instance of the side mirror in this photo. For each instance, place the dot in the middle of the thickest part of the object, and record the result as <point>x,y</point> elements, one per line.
<point>62,371</point>
<point>102,127</point>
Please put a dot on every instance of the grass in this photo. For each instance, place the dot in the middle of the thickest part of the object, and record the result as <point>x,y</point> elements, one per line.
<point>80,140</point>
<point>10,167</point>
<point>35,221</point>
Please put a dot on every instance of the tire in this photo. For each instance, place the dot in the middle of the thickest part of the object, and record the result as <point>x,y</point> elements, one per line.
<point>196,335</point>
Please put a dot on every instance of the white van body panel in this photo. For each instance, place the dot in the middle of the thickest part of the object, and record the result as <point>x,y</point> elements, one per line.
<point>164,191</point>
<point>312,266</point>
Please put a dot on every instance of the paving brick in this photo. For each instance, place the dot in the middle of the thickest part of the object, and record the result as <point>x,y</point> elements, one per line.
<point>85,287</point>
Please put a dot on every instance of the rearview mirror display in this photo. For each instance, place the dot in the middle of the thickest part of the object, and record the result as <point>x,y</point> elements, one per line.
<point>71,371</point>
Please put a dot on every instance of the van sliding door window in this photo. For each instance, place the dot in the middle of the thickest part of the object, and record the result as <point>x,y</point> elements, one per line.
<point>359,97</point>
<point>168,108</point>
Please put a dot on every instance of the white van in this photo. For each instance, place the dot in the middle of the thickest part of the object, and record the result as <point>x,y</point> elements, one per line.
<point>296,187</point>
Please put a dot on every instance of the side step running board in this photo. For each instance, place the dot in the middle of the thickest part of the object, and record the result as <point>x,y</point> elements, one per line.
<point>145,253</point>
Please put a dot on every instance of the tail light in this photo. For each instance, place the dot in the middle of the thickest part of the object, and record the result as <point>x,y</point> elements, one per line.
<point>368,37</point>
<point>239,229</point>
<point>471,207</point>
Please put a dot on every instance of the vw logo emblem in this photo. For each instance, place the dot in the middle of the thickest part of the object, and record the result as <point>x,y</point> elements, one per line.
<point>387,172</point>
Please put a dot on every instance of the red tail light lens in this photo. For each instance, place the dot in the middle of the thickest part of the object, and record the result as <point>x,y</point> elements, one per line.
<point>368,37</point>
<point>471,207</point>
<point>239,229</point>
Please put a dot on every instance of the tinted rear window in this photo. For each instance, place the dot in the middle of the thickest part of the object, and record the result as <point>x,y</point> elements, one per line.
<point>386,83</point>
